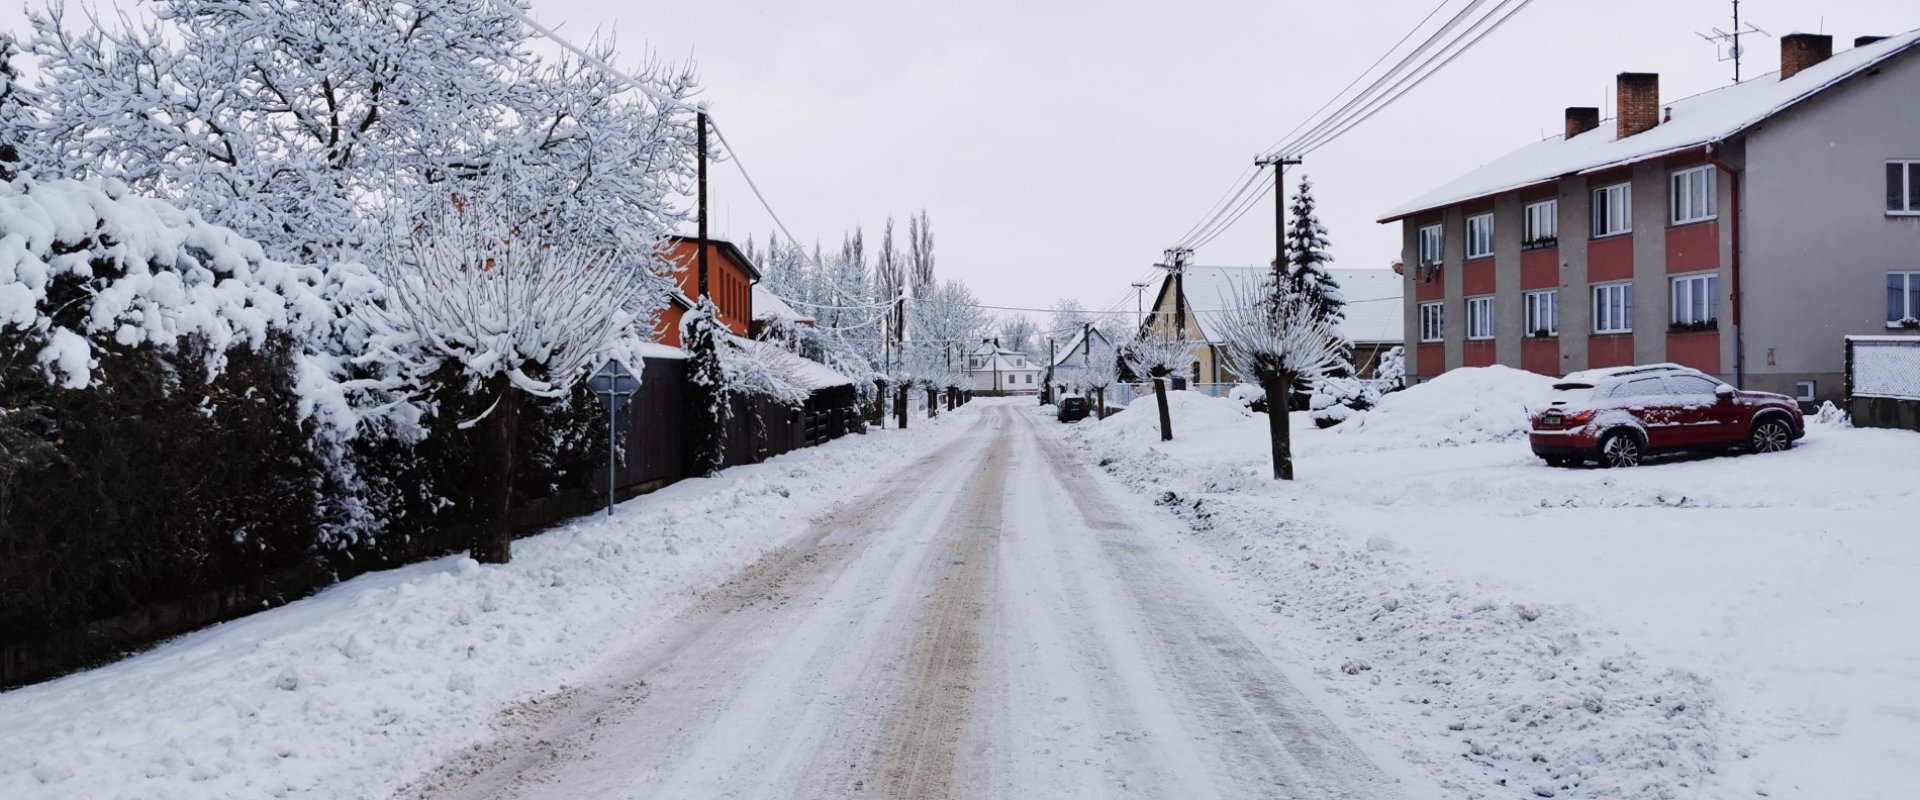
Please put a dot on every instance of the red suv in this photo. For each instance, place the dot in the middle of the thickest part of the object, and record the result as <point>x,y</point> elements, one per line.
<point>1619,416</point>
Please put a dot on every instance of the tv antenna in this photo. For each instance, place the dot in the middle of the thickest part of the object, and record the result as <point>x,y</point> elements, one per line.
<point>1728,42</point>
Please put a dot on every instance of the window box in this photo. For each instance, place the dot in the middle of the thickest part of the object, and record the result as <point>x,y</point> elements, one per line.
<point>1694,327</point>
<point>1540,244</point>
<point>1541,333</point>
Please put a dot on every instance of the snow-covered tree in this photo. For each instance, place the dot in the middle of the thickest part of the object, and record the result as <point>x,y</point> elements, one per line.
<point>523,301</point>
<point>1069,318</point>
<point>1308,275</point>
<point>1280,340</point>
<point>1017,332</point>
<point>15,117</point>
<point>1160,356</point>
<point>920,253</point>
<point>1101,371</point>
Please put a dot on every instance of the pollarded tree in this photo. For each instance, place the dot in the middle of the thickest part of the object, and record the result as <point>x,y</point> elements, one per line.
<point>1160,356</point>
<point>1281,340</point>
<point>520,300</point>
<point>1101,371</point>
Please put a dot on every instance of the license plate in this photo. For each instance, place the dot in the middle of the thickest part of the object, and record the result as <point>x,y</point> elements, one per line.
<point>1552,418</point>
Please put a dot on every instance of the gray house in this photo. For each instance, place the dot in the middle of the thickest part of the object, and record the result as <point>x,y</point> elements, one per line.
<point>1745,231</point>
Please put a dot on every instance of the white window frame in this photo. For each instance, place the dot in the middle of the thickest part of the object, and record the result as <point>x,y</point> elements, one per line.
<point>1433,322</point>
<point>1543,306</point>
<point>1692,195</point>
<point>1542,225</point>
<point>1910,309</point>
<point>1432,239</point>
<point>1805,391</point>
<point>1695,299</point>
<point>1480,318</point>
<point>1480,236</point>
<point>1616,202</point>
<point>1609,317</point>
<point>1907,202</point>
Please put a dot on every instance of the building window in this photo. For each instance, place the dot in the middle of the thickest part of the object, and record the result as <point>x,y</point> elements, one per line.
<point>1612,210</point>
<point>1613,308</point>
<point>1432,322</point>
<point>1903,299</point>
<point>1903,187</point>
<point>1542,228</point>
<point>1479,317</point>
<point>1430,246</point>
<point>1480,236</point>
<point>1543,313</point>
<point>1803,391</point>
<point>1696,302</point>
<point>1694,198</point>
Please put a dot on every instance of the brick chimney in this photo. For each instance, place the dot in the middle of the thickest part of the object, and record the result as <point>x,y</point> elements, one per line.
<point>1863,41</point>
<point>1638,98</point>
<point>1581,119</point>
<point>1799,51</point>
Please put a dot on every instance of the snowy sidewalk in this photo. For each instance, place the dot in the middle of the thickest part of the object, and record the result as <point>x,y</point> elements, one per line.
<point>355,691</point>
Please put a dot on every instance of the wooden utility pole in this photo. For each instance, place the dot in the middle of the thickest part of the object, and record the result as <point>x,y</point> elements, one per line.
<point>1279,164</point>
<point>700,121</point>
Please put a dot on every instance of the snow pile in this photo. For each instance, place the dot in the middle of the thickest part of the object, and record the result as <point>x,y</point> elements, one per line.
<point>1462,406</point>
<point>360,688</point>
<point>1193,414</point>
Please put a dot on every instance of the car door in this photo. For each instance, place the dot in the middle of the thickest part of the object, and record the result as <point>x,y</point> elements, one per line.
<point>1649,401</point>
<point>1701,417</point>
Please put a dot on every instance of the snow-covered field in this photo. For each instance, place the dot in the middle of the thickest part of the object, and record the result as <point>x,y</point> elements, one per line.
<point>1704,627</point>
<point>357,690</point>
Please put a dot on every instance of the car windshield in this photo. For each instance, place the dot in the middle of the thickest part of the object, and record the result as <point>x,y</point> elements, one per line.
<point>1571,393</point>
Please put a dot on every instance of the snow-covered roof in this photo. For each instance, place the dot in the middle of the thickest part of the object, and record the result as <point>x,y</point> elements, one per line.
<point>1698,120</point>
<point>1066,353</point>
<point>767,305</point>
<point>810,374</point>
<point>1373,310</point>
<point>658,350</point>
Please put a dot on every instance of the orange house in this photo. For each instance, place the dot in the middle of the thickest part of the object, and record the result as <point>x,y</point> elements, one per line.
<point>730,280</point>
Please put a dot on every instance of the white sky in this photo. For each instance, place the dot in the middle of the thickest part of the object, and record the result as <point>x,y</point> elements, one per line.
<point>1060,146</point>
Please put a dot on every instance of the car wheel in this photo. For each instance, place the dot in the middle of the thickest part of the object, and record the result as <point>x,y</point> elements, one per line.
<point>1620,449</point>
<point>1771,436</point>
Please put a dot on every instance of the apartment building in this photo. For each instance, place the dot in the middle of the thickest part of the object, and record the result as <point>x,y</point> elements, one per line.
<point>1744,231</point>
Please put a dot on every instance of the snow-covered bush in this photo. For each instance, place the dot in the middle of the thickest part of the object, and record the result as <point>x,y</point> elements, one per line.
<point>1337,399</point>
<point>1391,376</point>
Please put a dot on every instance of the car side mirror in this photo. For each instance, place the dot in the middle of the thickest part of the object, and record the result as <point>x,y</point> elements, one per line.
<point>1723,392</point>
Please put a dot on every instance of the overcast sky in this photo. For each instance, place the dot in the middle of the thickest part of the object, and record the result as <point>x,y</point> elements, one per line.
<point>1060,146</point>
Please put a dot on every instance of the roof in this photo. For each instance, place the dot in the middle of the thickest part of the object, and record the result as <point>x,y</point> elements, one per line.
<point>1072,347</point>
<point>726,249</point>
<point>767,305</point>
<point>1374,312</point>
<point>1697,121</point>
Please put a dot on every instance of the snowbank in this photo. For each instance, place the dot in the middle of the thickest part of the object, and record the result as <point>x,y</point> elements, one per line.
<point>1697,627</point>
<point>1193,414</point>
<point>360,688</point>
<point>1462,406</point>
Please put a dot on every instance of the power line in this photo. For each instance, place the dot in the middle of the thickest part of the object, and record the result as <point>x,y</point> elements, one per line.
<point>1363,74</point>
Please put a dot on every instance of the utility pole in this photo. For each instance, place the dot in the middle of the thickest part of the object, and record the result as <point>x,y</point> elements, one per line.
<point>1176,264</point>
<point>700,120</point>
<point>1139,314</point>
<point>1279,164</point>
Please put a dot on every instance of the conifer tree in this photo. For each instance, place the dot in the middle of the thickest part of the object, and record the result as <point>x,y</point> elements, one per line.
<point>1308,274</point>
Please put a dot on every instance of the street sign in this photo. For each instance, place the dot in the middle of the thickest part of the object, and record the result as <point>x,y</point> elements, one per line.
<point>613,383</point>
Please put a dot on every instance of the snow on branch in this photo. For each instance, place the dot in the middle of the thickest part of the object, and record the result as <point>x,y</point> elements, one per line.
<point>1269,331</point>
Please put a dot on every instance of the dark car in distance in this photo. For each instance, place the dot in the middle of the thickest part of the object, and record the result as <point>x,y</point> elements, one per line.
<point>1072,409</point>
<point>1619,416</point>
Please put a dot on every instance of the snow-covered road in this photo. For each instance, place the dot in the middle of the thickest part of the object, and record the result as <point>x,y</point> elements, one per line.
<point>997,621</point>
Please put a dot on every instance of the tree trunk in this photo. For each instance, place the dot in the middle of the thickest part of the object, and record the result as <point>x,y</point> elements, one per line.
<point>879,410</point>
<point>933,402</point>
<point>1166,417</point>
<point>1278,423</point>
<point>1100,403</point>
<point>900,406</point>
<point>493,540</point>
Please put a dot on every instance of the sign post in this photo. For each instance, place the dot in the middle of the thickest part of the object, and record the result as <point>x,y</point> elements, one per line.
<point>613,384</point>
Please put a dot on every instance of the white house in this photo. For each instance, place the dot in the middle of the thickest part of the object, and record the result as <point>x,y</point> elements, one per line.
<point>1071,361</point>
<point>997,369</point>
